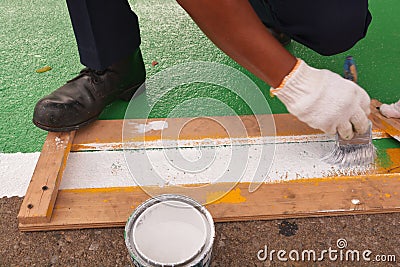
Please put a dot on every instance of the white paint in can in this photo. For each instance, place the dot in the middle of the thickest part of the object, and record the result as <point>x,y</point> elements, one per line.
<point>170,232</point>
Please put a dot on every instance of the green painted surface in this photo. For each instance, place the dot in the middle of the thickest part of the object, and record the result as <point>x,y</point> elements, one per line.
<point>38,33</point>
<point>382,145</point>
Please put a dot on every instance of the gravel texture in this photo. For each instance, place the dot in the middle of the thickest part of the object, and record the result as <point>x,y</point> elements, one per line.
<point>236,244</point>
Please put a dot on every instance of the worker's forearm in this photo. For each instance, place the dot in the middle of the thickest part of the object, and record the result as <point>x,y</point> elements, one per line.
<point>235,28</point>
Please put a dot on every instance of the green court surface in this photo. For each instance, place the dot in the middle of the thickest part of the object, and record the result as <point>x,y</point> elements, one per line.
<point>36,33</point>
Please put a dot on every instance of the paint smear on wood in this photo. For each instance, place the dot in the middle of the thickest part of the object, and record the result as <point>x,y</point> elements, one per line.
<point>232,197</point>
<point>150,126</point>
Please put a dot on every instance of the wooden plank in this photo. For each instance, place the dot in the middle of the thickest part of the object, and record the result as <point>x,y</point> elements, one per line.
<point>389,125</point>
<point>39,200</point>
<point>37,208</point>
<point>107,135</point>
<point>93,208</point>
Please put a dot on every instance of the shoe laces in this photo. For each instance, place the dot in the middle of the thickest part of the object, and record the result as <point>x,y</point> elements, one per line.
<point>93,74</point>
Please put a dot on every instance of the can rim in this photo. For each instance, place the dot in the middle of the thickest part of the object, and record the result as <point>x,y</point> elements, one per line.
<point>210,230</point>
<point>195,214</point>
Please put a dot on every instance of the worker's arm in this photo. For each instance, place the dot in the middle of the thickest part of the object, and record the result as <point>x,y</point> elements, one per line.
<point>235,28</point>
<point>320,98</point>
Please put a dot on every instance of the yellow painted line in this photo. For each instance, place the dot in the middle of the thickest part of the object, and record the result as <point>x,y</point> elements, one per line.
<point>128,189</point>
<point>232,197</point>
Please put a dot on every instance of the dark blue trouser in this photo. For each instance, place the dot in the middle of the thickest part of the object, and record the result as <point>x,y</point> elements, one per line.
<point>327,26</point>
<point>108,30</point>
<point>105,30</point>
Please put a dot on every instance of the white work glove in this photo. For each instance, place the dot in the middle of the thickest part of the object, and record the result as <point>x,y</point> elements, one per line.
<point>324,100</point>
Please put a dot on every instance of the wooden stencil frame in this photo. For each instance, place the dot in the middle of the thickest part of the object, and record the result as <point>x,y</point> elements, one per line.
<point>45,207</point>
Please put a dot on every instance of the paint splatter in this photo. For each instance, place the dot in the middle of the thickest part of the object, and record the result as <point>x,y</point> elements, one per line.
<point>58,140</point>
<point>150,126</point>
<point>116,167</point>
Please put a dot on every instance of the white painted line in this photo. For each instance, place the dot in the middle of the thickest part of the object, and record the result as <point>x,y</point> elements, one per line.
<point>168,143</point>
<point>101,169</point>
<point>96,170</point>
<point>15,173</point>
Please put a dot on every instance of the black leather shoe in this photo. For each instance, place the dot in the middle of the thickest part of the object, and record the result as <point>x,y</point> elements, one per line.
<point>81,100</point>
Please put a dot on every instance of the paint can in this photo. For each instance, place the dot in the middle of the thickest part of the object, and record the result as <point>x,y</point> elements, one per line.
<point>170,230</point>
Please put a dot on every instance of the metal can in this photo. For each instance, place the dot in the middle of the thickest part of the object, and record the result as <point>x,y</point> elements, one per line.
<point>170,230</point>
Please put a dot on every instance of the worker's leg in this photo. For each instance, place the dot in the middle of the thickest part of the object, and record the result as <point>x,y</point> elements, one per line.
<point>326,26</point>
<point>107,33</point>
<point>391,111</point>
<point>263,11</point>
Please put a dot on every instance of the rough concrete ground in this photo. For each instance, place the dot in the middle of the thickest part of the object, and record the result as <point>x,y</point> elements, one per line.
<point>236,244</point>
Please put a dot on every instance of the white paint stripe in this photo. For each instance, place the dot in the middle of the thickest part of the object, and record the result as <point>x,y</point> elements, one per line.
<point>175,166</point>
<point>206,142</point>
<point>167,143</point>
<point>15,173</point>
<point>96,169</point>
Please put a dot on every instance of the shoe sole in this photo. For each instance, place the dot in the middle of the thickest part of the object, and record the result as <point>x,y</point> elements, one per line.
<point>65,129</point>
<point>126,96</point>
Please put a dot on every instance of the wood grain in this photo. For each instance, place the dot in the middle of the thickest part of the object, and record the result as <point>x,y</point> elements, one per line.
<point>111,207</point>
<point>40,197</point>
<point>107,135</point>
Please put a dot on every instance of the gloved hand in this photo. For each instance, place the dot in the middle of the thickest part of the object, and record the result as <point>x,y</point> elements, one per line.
<point>324,100</point>
<point>391,111</point>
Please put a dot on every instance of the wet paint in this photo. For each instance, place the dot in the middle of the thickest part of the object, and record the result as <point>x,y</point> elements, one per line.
<point>232,197</point>
<point>170,230</point>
